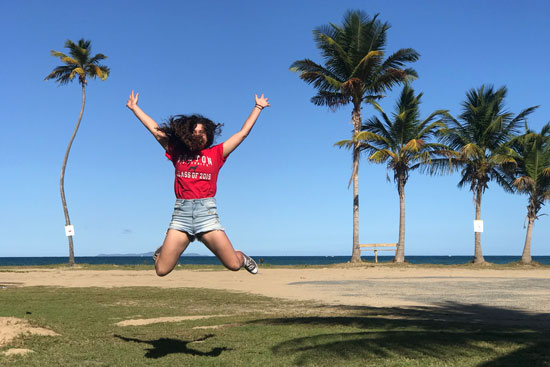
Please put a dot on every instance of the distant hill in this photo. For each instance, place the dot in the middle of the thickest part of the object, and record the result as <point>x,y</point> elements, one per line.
<point>146,254</point>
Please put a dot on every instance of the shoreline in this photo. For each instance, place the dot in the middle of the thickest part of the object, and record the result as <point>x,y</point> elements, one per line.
<point>216,265</point>
<point>275,261</point>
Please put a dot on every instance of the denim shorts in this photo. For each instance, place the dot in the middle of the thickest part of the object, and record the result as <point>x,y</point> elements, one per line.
<point>195,216</point>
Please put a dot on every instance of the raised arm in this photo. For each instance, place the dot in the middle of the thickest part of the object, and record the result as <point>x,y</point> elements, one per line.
<point>233,142</point>
<point>147,121</point>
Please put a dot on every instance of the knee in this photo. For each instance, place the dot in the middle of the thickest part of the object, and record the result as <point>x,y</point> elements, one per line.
<point>233,266</point>
<point>161,271</point>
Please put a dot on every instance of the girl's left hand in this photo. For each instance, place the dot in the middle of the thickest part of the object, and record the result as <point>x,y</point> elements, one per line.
<point>261,101</point>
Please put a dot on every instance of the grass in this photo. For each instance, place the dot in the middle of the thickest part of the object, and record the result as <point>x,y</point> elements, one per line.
<point>252,331</point>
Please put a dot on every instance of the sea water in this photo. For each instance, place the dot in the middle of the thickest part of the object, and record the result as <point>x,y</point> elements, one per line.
<point>272,260</point>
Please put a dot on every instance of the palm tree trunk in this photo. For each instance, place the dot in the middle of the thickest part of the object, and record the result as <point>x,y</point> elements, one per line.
<point>62,179</point>
<point>478,255</point>
<point>400,252</point>
<point>356,251</point>
<point>526,256</point>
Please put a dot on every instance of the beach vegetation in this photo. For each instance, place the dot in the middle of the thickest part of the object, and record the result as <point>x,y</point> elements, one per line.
<point>144,326</point>
<point>480,137</point>
<point>531,176</point>
<point>404,142</point>
<point>355,71</point>
<point>80,64</point>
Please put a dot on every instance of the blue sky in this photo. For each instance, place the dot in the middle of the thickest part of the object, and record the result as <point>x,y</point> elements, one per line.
<point>284,190</point>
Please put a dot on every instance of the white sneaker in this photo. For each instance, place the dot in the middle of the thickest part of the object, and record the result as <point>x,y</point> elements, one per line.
<point>249,264</point>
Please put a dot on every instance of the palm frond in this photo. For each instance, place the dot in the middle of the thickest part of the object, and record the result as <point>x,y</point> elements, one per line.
<point>524,184</point>
<point>520,117</point>
<point>97,71</point>
<point>367,64</point>
<point>81,73</point>
<point>381,156</point>
<point>466,178</point>
<point>471,152</point>
<point>332,100</point>
<point>69,60</point>
<point>545,130</point>
<point>387,79</point>
<point>440,166</point>
<point>85,44</point>
<point>98,57</point>
<point>413,146</point>
<point>105,72</point>
<point>312,73</point>
<point>61,74</point>
<point>410,75</point>
<point>368,98</point>
<point>57,54</point>
<point>378,108</point>
<point>503,181</point>
<point>348,144</point>
<point>432,130</point>
<point>423,159</point>
<point>330,46</point>
<point>400,58</point>
<point>500,159</point>
<point>370,137</point>
<point>80,51</point>
<point>375,126</point>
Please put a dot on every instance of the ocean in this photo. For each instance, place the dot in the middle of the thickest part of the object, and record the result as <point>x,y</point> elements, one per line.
<point>272,260</point>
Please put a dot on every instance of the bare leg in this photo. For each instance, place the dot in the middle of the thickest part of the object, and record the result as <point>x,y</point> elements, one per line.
<point>219,244</point>
<point>174,244</point>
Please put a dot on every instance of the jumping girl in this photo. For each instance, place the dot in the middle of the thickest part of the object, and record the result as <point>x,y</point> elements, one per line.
<point>188,141</point>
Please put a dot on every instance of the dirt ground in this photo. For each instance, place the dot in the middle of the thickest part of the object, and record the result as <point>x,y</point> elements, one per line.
<point>527,289</point>
<point>474,293</point>
<point>11,327</point>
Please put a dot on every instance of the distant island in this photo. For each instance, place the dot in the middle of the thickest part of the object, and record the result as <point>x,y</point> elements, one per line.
<point>146,254</point>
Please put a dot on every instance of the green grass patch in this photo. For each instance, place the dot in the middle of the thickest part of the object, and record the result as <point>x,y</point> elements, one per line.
<point>251,330</point>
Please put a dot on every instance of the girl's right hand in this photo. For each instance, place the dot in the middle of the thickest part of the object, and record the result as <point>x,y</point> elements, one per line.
<point>132,101</point>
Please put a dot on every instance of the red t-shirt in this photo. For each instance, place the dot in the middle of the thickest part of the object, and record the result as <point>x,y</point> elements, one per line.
<point>196,178</point>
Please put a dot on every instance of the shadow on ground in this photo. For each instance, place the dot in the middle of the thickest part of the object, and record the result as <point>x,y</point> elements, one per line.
<point>450,333</point>
<point>165,346</point>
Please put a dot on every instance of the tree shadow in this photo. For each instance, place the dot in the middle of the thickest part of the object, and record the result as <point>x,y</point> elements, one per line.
<point>165,346</point>
<point>449,333</point>
<point>467,313</point>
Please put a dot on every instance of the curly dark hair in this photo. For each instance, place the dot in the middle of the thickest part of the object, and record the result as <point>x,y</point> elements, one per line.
<point>182,142</point>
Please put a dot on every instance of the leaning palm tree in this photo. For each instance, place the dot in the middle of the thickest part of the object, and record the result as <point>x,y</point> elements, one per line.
<point>532,176</point>
<point>355,72</point>
<point>79,63</point>
<point>404,143</point>
<point>480,141</point>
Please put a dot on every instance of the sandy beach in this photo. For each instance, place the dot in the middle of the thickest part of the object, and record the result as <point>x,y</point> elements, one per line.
<point>526,290</point>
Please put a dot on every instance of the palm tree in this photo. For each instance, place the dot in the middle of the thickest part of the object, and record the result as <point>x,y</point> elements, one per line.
<point>480,141</point>
<point>532,160</point>
<point>355,71</point>
<point>79,63</point>
<point>403,143</point>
